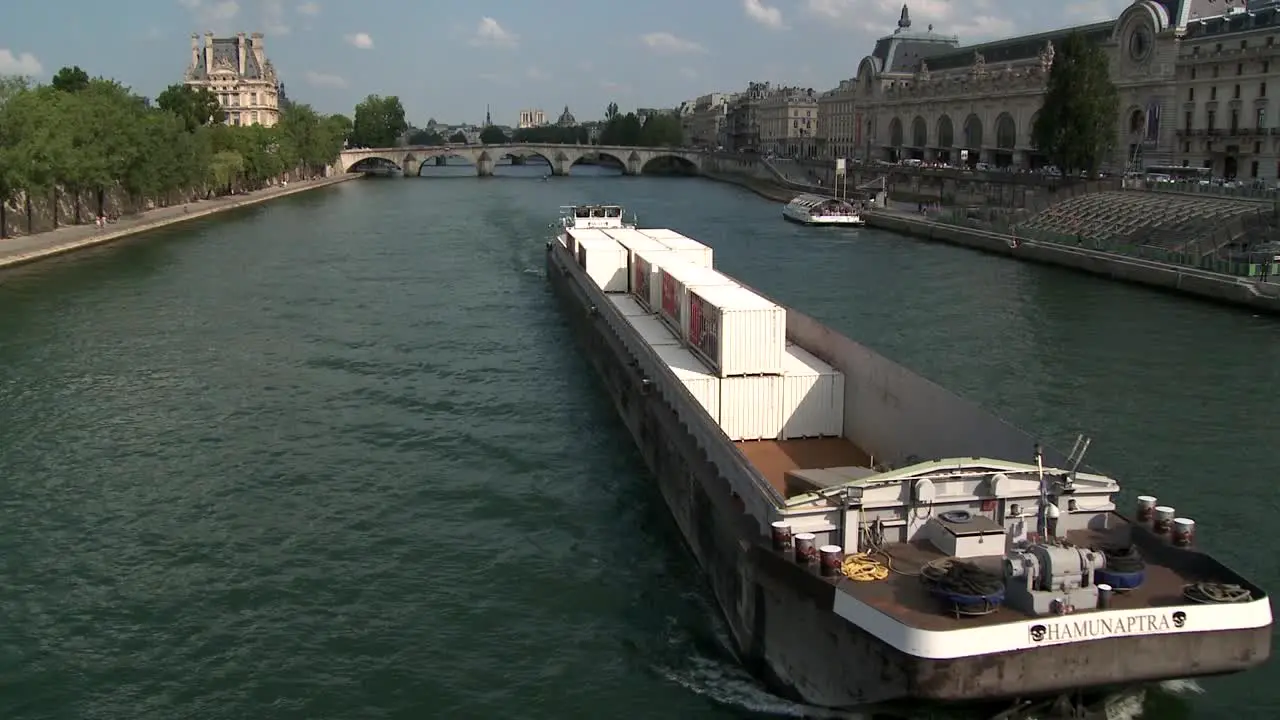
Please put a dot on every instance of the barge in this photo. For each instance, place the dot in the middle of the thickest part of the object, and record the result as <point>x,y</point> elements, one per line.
<point>822,211</point>
<point>874,541</point>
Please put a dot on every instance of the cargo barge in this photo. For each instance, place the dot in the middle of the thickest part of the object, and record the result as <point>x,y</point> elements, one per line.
<point>874,541</point>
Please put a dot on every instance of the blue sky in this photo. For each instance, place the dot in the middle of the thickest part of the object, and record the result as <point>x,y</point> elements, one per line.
<point>446,58</point>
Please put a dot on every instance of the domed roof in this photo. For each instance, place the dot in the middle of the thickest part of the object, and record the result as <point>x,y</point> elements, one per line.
<point>566,117</point>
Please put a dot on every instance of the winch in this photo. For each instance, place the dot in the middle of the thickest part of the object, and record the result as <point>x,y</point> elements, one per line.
<point>1050,579</point>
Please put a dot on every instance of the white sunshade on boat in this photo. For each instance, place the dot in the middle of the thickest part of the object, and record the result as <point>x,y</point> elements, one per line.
<point>819,203</point>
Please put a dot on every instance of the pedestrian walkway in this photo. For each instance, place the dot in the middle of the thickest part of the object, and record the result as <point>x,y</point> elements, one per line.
<point>19,250</point>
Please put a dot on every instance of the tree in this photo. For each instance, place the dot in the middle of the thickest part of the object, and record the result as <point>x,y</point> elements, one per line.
<point>379,122</point>
<point>458,138</point>
<point>611,111</point>
<point>662,130</point>
<point>622,130</point>
<point>552,135</point>
<point>194,106</point>
<point>493,135</point>
<point>96,143</point>
<point>425,137</point>
<point>1076,126</point>
<point>70,80</point>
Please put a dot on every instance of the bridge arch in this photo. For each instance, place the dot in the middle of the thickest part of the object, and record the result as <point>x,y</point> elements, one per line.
<point>684,164</point>
<point>369,161</point>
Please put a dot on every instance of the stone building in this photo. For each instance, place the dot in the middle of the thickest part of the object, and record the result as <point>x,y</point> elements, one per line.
<point>743,119</point>
<point>238,72</point>
<point>838,120</point>
<point>567,119</point>
<point>787,121</point>
<point>706,124</point>
<point>1228,71</point>
<point>531,119</point>
<point>922,95</point>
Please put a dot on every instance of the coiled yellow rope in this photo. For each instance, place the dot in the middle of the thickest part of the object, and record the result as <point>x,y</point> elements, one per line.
<point>861,567</point>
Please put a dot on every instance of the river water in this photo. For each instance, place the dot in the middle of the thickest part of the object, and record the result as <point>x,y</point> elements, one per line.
<point>336,456</point>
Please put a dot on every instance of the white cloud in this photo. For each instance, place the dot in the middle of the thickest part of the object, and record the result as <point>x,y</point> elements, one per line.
<point>212,14</point>
<point>310,9</point>
<point>972,20</point>
<point>325,80</point>
<point>359,40</point>
<point>666,43</point>
<point>490,34</point>
<point>766,15</point>
<point>273,17</point>
<point>537,74</point>
<point>19,64</point>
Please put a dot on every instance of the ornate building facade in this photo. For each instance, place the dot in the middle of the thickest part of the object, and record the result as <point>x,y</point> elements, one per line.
<point>922,95</point>
<point>238,72</point>
<point>1228,71</point>
<point>836,134</point>
<point>787,120</point>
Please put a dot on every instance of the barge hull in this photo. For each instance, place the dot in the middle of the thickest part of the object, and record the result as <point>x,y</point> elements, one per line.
<point>783,622</point>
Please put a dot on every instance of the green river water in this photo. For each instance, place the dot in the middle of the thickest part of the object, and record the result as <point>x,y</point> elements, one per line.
<point>336,456</point>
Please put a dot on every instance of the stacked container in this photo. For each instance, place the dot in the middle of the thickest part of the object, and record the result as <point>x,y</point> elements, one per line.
<point>605,262</point>
<point>812,396</point>
<point>573,235</point>
<point>635,241</point>
<point>690,249</point>
<point>751,407</point>
<point>652,331</point>
<point>736,331</point>
<point>704,386</point>
<point>646,275</point>
<point>677,280</point>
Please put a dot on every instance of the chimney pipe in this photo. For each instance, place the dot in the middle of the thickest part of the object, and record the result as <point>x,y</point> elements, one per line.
<point>195,50</point>
<point>208,52</point>
<point>240,53</point>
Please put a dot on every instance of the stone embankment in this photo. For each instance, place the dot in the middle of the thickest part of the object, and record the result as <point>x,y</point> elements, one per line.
<point>30,248</point>
<point>1261,296</point>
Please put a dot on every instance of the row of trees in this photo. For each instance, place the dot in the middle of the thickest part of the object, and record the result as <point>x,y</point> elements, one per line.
<point>96,144</point>
<point>380,122</point>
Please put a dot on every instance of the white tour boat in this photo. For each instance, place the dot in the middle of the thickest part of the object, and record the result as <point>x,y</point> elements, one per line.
<point>819,210</point>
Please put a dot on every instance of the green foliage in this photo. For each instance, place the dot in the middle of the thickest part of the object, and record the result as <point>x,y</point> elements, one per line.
<point>552,135</point>
<point>194,106</point>
<point>458,138</point>
<point>70,79</point>
<point>493,135</point>
<point>656,131</point>
<point>425,137</point>
<point>379,122</point>
<point>96,135</point>
<point>611,111</point>
<point>1076,126</point>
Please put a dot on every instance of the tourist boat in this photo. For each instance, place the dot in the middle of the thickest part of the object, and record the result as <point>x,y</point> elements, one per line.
<point>819,210</point>
<point>875,542</point>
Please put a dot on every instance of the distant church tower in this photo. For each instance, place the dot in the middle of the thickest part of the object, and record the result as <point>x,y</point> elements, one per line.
<point>487,119</point>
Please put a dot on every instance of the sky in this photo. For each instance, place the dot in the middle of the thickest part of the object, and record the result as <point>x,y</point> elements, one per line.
<point>447,59</point>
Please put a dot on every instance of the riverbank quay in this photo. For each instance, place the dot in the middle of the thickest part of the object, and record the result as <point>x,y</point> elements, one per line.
<point>764,188</point>
<point>1218,287</point>
<point>32,248</point>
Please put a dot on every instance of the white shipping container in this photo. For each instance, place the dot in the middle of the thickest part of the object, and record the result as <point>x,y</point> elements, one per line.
<point>676,282</point>
<point>735,331</point>
<point>812,396</point>
<point>628,306</point>
<point>605,262</point>
<point>646,277</point>
<point>751,407</point>
<point>704,386</point>
<point>690,249</point>
<point>573,235</point>
<point>635,241</point>
<point>652,330</point>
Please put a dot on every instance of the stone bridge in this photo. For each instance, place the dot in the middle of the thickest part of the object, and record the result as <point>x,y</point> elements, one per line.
<point>485,157</point>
